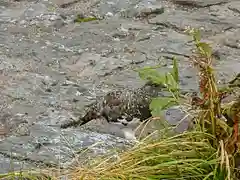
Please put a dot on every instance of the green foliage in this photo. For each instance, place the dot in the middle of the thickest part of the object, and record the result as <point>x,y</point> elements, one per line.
<point>152,75</point>
<point>175,72</point>
<point>160,103</point>
<point>170,80</point>
<point>171,83</point>
<point>195,34</point>
<point>203,48</point>
<point>80,19</point>
<point>26,175</point>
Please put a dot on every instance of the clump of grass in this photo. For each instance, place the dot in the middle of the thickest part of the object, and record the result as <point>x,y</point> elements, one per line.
<point>25,175</point>
<point>189,155</point>
<point>185,156</point>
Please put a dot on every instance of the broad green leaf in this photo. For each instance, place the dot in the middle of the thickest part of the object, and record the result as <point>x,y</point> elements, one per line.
<point>205,49</point>
<point>158,104</point>
<point>152,75</point>
<point>171,83</point>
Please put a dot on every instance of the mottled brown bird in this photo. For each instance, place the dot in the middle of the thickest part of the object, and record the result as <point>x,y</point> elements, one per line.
<point>123,104</point>
<point>127,104</point>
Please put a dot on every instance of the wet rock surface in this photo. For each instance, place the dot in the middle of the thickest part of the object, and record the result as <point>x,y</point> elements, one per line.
<point>52,69</point>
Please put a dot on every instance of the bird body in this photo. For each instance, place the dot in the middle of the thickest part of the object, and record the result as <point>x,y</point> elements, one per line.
<point>126,104</point>
<point>122,104</point>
